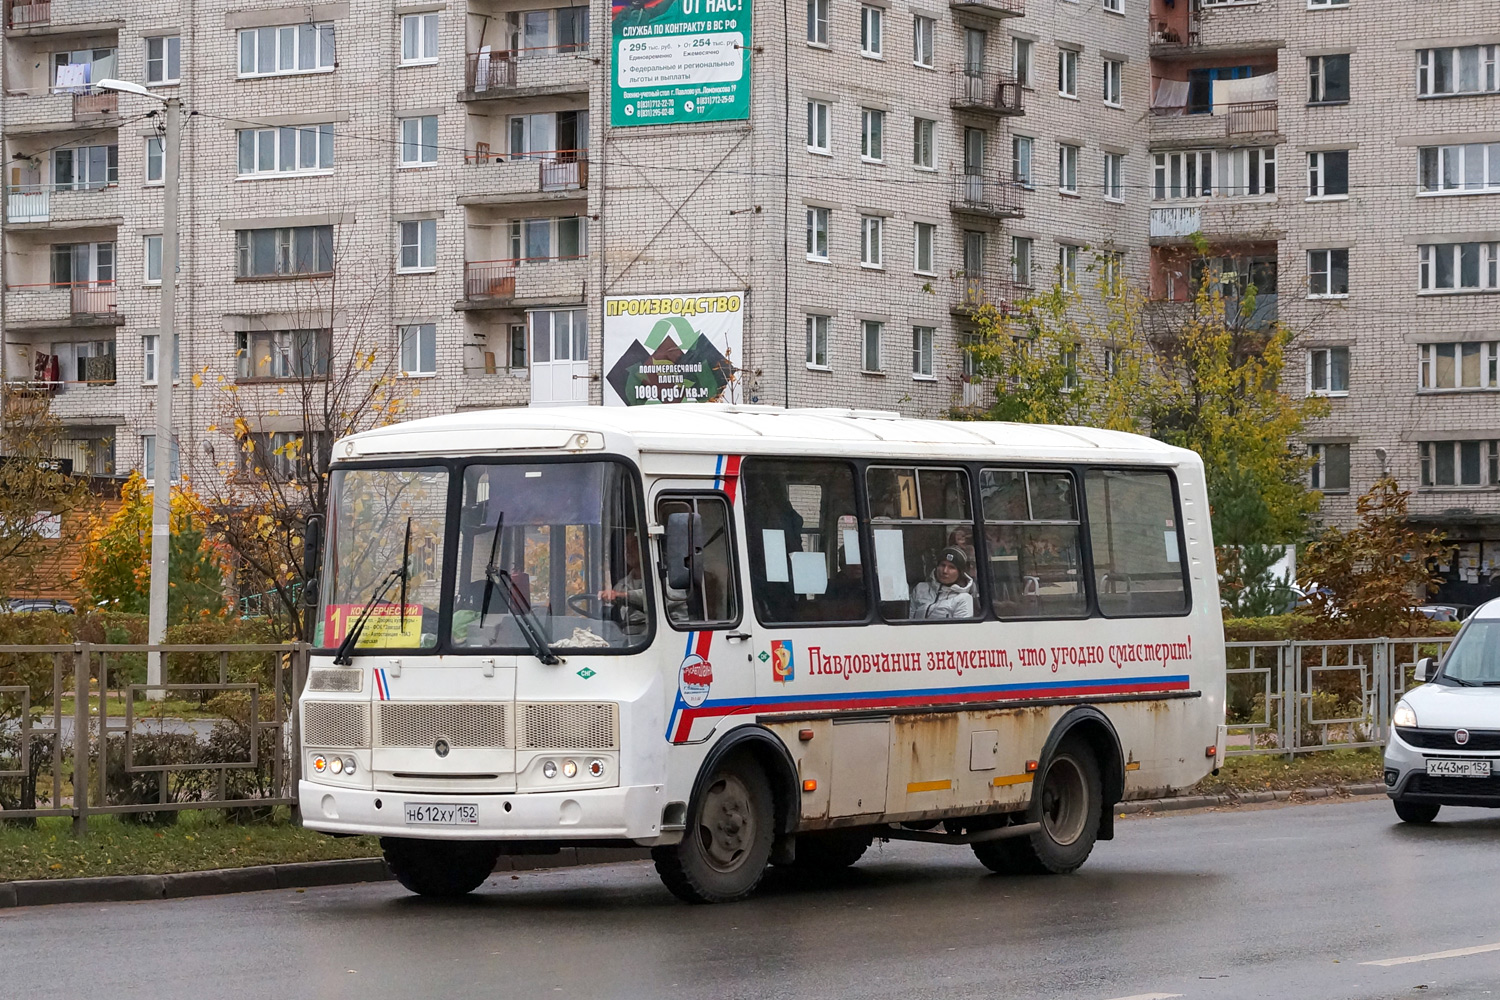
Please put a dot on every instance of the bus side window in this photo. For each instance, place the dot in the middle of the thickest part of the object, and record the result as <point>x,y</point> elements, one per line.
<point>924,543</point>
<point>803,539</point>
<point>717,603</point>
<point>1135,529</point>
<point>1032,543</point>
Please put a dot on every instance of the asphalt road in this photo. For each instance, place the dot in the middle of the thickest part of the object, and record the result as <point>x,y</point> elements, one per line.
<point>1291,902</point>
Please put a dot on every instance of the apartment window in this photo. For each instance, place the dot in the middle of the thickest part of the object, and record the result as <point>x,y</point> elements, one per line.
<point>1459,366</point>
<point>1328,371</point>
<point>1067,267</point>
<point>817,234</point>
<point>1115,6</point>
<point>872,135</point>
<point>1067,73</point>
<point>1323,4</point>
<point>1182,175</point>
<point>85,168</point>
<point>1460,463</point>
<point>1067,359</point>
<point>418,245</point>
<point>817,22</point>
<point>155,161</point>
<point>163,60</point>
<point>549,239</point>
<point>1112,265</point>
<point>925,234</point>
<point>517,346</point>
<point>274,253</point>
<point>283,354</point>
<point>1328,174</point>
<point>817,341</point>
<point>1114,75</point>
<point>817,126</point>
<point>871,234</point>
<point>100,64</point>
<point>418,349</point>
<point>1021,50</point>
<point>83,263</point>
<point>419,141</point>
<point>1327,274</point>
<point>871,330</point>
<point>304,149</point>
<point>924,144</point>
<point>153,259</point>
<point>419,39</point>
<point>1114,176</point>
<point>1247,172</point>
<point>1458,267</point>
<point>1020,260</point>
<point>1328,79</point>
<point>1112,361</point>
<point>1020,159</point>
<point>1469,69</point>
<point>1330,467</point>
<point>148,454</point>
<point>871,24</point>
<point>921,350</point>
<point>921,47</point>
<point>1067,169</point>
<point>292,48</point>
<point>149,343</point>
<point>1467,169</point>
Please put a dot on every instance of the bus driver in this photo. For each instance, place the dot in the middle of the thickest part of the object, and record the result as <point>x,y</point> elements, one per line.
<point>948,592</point>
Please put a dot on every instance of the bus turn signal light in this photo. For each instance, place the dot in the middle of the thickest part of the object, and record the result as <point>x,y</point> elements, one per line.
<point>809,784</point>
<point>804,735</point>
<point>1212,751</point>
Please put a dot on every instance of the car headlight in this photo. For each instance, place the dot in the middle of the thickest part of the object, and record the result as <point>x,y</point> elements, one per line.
<point>1404,716</point>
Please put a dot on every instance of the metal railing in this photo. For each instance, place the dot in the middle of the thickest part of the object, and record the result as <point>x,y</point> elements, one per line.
<point>496,70</point>
<point>557,169</point>
<point>985,196</point>
<point>27,15</point>
<point>995,8</point>
<point>78,737</point>
<point>33,202</point>
<point>975,89</point>
<point>490,279</point>
<point>86,298</point>
<point>974,291</point>
<point>96,102</point>
<point>1296,696</point>
<point>1250,116</point>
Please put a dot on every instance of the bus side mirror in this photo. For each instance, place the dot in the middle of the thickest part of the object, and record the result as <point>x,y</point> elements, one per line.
<point>312,546</point>
<point>1426,670</point>
<point>682,549</point>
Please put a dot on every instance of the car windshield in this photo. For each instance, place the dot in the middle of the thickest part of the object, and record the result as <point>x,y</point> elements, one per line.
<point>1475,656</point>
<point>553,548</point>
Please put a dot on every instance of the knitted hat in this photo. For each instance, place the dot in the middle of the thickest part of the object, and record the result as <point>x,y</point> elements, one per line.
<point>957,557</point>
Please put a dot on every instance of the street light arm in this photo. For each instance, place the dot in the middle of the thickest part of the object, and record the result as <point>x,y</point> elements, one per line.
<point>126,87</point>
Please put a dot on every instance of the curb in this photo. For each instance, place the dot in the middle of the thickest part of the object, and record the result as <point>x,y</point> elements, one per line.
<point>260,878</point>
<point>1182,802</point>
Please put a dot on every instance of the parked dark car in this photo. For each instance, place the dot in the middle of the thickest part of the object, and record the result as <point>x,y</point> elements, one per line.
<point>24,605</point>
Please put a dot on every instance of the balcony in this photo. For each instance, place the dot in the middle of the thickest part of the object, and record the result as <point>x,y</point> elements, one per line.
<point>1171,129</point>
<point>28,15</point>
<point>522,283</point>
<point>37,203</point>
<point>1251,218</point>
<point>984,92</point>
<point>972,292</point>
<point>990,8</point>
<point>537,72</point>
<point>75,303</point>
<point>554,175</point>
<point>973,194</point>
<point>92,103</point>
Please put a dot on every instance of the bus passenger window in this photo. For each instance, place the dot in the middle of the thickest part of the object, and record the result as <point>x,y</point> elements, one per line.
<point>924,543</point>
<point>714,600</point>
<point>803,540</point>
<point>1133,525</point>
<point>1032,543</point>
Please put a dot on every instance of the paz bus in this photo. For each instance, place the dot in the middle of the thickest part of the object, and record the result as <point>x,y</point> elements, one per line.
<point>744,636</point>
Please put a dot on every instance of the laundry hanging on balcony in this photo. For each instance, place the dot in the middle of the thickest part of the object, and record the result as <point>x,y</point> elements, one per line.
<point>1171,97</point>
<point>482,70</point>
<point>73,78</point>
<point>1246,90</point>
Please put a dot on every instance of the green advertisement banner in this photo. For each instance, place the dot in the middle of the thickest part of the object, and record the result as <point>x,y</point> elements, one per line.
<point>680,61</point>
<point>670,347</point>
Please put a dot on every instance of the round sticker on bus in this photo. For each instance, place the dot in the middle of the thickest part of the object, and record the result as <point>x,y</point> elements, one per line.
<point>697,675</point>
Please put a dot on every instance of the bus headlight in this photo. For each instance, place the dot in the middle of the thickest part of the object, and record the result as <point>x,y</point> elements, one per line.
<point>348,765</point>
<point>336,765</point>
<point>570,769</point>
<point>1404,716</point>
<point>549,769</point>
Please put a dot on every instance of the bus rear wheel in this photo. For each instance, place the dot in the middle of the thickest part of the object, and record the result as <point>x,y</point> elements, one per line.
<point>442,869</point>
<point>727,845</point>
<point>1067,802</point>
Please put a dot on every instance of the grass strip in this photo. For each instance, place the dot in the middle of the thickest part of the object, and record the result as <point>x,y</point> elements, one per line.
<point>1321,769</point>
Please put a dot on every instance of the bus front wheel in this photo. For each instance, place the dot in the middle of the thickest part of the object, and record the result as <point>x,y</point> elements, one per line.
<point>442,869</point>
<point>1067,802</point>
<point>724,851</point>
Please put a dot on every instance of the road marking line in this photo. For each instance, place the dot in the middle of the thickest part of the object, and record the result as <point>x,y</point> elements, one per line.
<point>1432,956</point>
<point>1151,996</point>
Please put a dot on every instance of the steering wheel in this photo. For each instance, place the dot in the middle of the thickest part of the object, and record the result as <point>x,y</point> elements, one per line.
<point>587,605</point>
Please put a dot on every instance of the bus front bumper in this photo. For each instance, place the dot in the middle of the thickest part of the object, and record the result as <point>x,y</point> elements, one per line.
<point>631,812</point>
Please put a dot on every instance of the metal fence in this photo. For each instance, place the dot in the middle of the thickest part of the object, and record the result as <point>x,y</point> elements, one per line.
<point>1295,696</point>
<point>81,735</point>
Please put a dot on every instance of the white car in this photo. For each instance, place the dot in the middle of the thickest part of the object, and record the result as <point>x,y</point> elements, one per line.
<point>1445,735</point>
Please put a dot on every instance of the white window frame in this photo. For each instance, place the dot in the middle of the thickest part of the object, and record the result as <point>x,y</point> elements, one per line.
<point>412,140</point>
<point>148,464</point>
<point>1317,78</point>
<point>1326,4</point>
<point>924,245</point>
<point>1022,260</point>
<point>1114,177</point>
<point>872,32</point>
<point>155,161</point>
<point>1325,268</point>
<point>292,37</point>
<point>1318,471</point>
<point>1067,74</point>
<point>1487,377</point>
<point>922,340</point>
<point>416,241</point>
<point>1320,359</point>
<point>1246,172</point>
<point>1170,172</point>
<point>817,341</point>
<point>147,242</point>
<point>1067,267</point>
<point>425,50</point>
<point>819,129</point>
<point>411,339</point>
<point>818,220</point>
<point>923,34</point>
<point>1114,7</point>
<point>521,231</point>
<point>817,23</point>
<point>171,52</point>
<point>1067,168</point>
<point>1486,64</point>
<point>148,358</point>
<point>871,135</point>
<point>1487,267</point>
<point>1317,176</point>
<point>1023,61</point>
<point>872,242</point>
<point>870,333</point>
<point>1476,161</point>
<point>273,142</point>
<point>1114,83</point>
<point>1489,464</point>
<point>924,141</point>
<point>1022,165</point>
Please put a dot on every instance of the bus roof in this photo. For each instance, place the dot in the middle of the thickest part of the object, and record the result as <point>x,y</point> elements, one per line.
<point>707,428</point>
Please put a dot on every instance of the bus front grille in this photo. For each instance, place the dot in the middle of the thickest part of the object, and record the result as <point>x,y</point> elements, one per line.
<point>335,724</point>
<point>422,724</point>
<point>568,726</point>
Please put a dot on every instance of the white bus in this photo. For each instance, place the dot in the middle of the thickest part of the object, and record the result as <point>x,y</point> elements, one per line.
<point>745,636</point>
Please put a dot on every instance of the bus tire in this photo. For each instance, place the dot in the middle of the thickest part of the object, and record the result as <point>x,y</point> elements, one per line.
<point>831,850</point>
<point>731,827</point>
<point>1067,802</point>
<point>441,869</point>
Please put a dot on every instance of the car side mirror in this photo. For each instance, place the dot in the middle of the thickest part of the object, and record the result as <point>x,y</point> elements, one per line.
<point>1426,670</point>
<point>684,529</point>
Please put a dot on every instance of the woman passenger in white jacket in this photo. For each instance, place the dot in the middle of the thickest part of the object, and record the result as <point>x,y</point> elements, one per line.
<point>948,592</point>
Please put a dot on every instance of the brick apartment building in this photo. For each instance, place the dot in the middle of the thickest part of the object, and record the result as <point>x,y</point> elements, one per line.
<point>444,182</point>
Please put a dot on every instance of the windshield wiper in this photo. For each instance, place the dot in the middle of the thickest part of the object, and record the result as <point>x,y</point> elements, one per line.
<point>515,603</point>
<point>1460,681</point>
<point>341,655</point>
